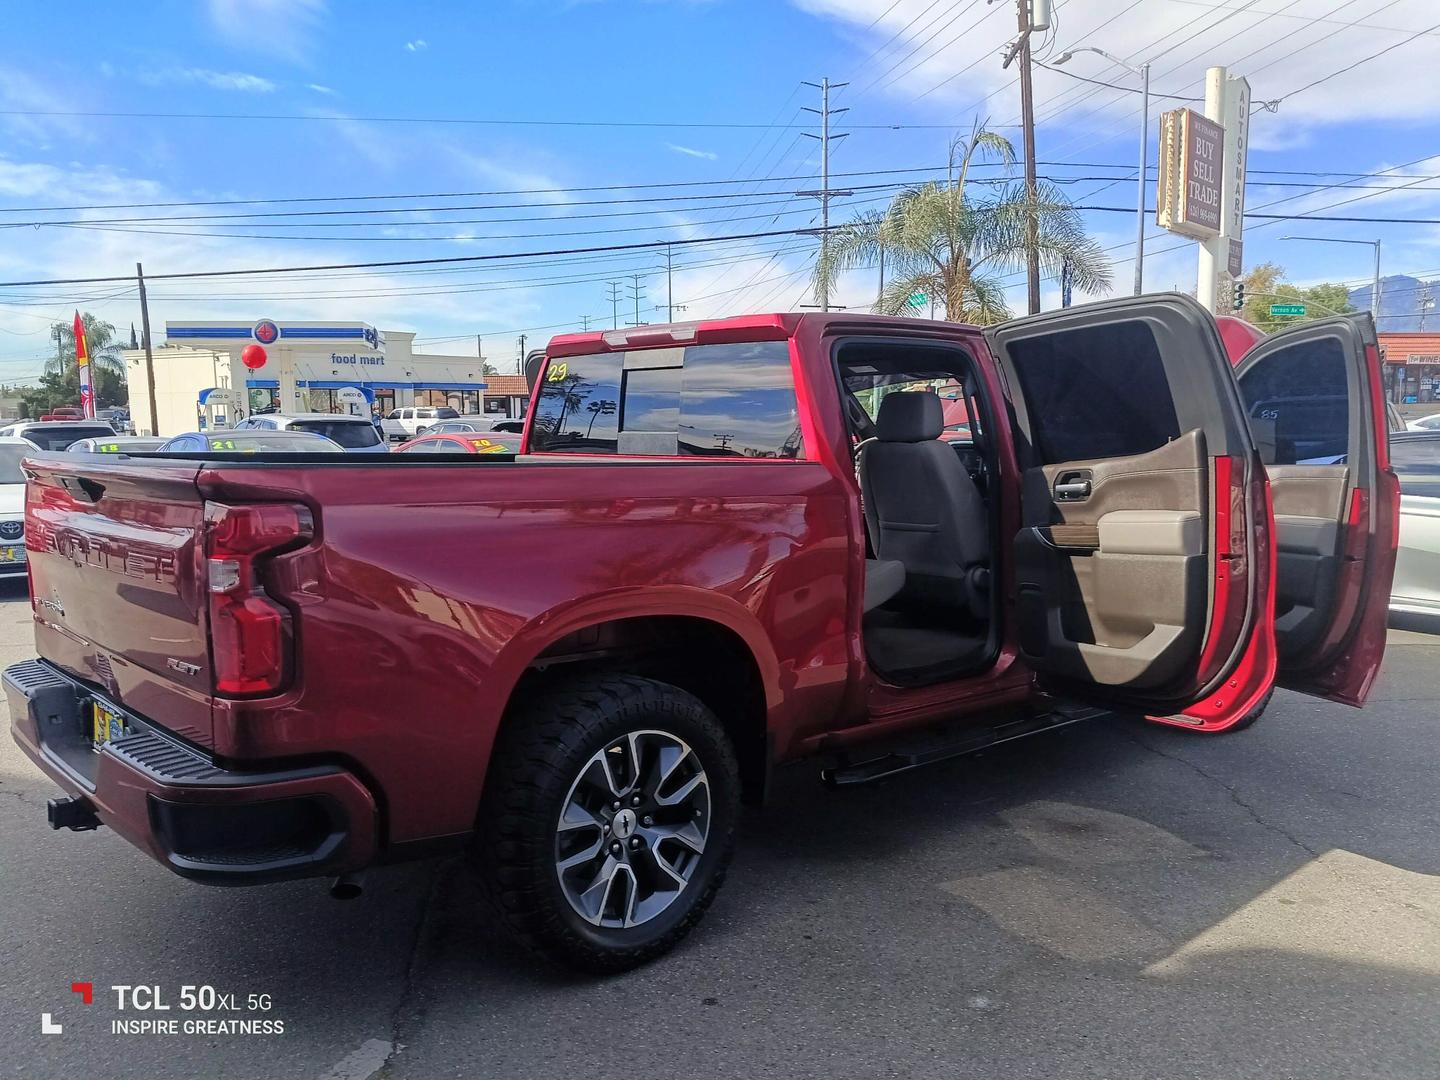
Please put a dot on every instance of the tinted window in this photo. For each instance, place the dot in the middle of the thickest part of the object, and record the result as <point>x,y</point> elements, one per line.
<point>10,457</point>
<point>1099,392</point>
<point>438,446</point>
<point>578,410</point>
<point>725,401</point>
<point>652,400</point>
<point>59,436</point>
<point>351,434</point>
<point>1298,401</point>
<point>1406,453</point>
<point>445,413</point>
<point>739,401</point>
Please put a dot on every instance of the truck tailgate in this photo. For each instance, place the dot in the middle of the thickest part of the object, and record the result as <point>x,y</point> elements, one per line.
<point>116,580</point>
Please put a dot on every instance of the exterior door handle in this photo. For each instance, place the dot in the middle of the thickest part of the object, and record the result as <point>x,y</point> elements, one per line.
<point>1073,491</point>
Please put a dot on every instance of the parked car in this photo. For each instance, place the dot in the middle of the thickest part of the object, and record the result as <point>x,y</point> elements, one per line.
<point>574,664</point>
<point>12,505</point>
<point>1416,457</point>
<point>1425,423</point>
<point>457,443</point>
<point>461,425</point>
<point>57,434</point>
<point>230,441</point>
<point>117,444</point>
<point>407,422</point>
<point>354,433</point>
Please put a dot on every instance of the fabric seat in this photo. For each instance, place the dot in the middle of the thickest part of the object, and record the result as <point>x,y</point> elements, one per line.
<point>884,578</point>
<point>922,508</point>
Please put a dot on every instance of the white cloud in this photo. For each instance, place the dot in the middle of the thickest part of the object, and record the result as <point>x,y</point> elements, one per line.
<point>691,152</point>
<point>948,58</point>
<point>239,81</point>
<point>320,89</point>
<point>286,25</point>
<point>418,45</point>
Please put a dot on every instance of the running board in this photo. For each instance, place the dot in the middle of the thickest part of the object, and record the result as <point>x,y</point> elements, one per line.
<point>944,746</point>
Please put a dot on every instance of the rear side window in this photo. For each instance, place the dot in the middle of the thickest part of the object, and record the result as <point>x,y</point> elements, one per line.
<point>348,433</point>
<point>58,437</point>
<point>1095,392</point>
<point>712,400</point>
<point>1298,401</point>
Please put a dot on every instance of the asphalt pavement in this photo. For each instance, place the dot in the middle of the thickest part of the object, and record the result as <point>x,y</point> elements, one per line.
<point>1114,900</point>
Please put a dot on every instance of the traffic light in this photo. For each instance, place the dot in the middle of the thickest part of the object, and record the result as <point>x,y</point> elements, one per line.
<point>1237,295</point>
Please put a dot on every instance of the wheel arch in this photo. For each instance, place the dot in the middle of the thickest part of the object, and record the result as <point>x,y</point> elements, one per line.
<point>705,644</point>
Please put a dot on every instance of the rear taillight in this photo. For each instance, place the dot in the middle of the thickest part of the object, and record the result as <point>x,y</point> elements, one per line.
<point>249,631</point>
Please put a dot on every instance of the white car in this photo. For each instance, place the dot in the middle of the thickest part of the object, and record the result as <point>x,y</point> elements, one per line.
<point>57,434</point>
<point>12,505</point>
<point>1416,458</point>
<point>409,421</point>
<point>356,434</point>
<point>1425,423</point>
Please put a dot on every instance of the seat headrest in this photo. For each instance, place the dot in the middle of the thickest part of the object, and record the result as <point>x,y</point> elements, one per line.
<point>910,416</point>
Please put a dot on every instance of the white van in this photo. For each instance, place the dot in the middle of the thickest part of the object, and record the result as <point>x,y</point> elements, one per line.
<point>406,423</point>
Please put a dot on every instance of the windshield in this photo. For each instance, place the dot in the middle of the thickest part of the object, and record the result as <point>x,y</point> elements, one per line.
<point>10,457</point>
<point>60,436</point>
<point>350,434</point>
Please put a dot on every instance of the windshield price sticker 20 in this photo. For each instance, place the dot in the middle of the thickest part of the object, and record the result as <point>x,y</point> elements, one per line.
<point>201,1009</point>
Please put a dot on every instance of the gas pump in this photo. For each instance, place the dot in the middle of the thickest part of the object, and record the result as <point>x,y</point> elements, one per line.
<point>220,407</point>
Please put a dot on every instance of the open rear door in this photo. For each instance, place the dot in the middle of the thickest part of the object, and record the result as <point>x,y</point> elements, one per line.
<point>1314,399</point>
<point>1143,564</point>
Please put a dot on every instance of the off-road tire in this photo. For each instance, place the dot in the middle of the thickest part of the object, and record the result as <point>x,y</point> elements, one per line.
<point>541,750</point>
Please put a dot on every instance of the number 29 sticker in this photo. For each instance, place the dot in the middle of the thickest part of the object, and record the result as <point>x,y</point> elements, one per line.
<point>557,372</point>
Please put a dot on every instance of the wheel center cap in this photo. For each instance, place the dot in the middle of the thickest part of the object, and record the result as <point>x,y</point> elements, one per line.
<point>624,823</point>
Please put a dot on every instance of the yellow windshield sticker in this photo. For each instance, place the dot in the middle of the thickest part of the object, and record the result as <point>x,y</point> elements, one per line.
<point>558,372</point>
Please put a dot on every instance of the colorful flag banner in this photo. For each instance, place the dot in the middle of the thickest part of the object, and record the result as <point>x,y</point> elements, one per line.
<point>82,361</point>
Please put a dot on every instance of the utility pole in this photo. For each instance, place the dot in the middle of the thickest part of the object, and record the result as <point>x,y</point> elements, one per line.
<point>613,295</point>
<point>636,292</point>
<point>520,365</point>
<point>670,306</point>
<point>1427,301</point>
<point>1021,50</point>
<point>881,294</point>
<point>825,194</point>
<point>149,356</point>
<point>584,323</point>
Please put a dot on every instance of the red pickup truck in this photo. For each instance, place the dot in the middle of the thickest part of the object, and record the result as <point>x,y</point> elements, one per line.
<point>722,546</point>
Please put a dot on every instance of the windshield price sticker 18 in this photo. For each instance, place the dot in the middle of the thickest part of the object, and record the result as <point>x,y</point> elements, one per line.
<point>193,999</point>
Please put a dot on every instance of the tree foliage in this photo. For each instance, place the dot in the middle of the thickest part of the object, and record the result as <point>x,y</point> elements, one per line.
<point>1265,285</point>
<point>953,246</point>
<point>60,384</point>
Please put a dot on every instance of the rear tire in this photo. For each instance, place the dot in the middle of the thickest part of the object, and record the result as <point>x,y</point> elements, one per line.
<point>1248,720</point>
<point>608,820</point>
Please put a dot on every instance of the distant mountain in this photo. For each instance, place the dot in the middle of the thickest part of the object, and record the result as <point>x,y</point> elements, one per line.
<point>1400,298</point>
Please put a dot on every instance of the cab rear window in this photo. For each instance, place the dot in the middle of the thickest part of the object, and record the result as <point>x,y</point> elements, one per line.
<point>732,400</point>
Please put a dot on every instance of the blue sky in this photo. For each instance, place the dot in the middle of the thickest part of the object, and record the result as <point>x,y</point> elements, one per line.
<point>919,70</point>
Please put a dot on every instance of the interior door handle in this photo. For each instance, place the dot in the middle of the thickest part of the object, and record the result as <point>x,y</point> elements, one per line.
<point>1072,491</point>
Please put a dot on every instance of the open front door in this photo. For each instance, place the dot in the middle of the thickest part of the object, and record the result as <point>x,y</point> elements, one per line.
<point>1314,399</point>
<point>1143,562</point>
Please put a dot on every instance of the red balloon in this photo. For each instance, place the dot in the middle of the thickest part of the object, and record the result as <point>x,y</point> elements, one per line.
<point>253,356</point>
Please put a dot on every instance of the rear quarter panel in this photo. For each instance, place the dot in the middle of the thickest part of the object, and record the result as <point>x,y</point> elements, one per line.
<point>430,589</point>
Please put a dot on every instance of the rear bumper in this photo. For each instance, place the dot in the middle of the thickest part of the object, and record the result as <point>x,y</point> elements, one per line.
<point>202,821</point>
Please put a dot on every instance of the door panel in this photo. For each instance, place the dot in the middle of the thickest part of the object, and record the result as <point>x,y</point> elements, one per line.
<point>1313,397</point>
<point>1143,561</point>
<point>1128,608</point>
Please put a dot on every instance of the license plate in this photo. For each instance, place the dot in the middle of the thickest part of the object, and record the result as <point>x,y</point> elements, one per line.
<point>12,554</point>
<point>105,725</point>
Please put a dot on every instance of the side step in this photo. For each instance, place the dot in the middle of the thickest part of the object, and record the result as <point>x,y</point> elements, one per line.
<point>942,746</point>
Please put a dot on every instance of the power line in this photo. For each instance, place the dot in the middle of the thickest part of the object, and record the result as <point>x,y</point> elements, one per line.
<point>189,274</point>
<point>1272,105</point>
<point>462,120</point>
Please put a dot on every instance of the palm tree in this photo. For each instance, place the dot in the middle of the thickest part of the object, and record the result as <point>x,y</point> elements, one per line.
<point>102,342</point>
<point>942,242</point>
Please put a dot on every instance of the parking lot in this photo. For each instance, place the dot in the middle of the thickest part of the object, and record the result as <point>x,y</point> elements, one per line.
<point>1115,900</point>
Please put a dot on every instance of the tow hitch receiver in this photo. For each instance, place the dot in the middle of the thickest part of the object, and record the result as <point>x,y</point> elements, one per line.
<point>75,814</point>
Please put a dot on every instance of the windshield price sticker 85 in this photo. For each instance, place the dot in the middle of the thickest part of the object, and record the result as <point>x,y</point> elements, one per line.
<point>202,1009</point>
